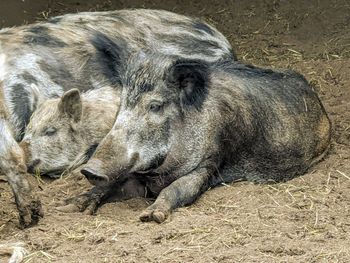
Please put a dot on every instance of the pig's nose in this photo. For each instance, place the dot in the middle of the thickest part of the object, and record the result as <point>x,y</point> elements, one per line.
<point>31,167</point>
<point>94,177</point>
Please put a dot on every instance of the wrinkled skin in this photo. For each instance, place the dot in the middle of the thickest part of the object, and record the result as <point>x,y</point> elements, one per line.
<point>185,126</point>
<point>41,61</point>
<point>63,132</point>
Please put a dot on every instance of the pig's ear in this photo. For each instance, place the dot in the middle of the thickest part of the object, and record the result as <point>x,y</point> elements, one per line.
<point>70,105</point>
<point>191,77</point>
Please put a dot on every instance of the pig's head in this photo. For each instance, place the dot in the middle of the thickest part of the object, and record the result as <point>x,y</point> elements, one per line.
<point>63,132</point>
<point>158,101</point>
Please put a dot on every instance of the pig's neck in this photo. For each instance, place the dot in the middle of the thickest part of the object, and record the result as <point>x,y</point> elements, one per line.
<point>99,111</point>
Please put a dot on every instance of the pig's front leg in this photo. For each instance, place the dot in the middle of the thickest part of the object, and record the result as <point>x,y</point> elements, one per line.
<point>181,192</point>
<point>86,202</point>
<point>117,191</point>
<point>12,164</point>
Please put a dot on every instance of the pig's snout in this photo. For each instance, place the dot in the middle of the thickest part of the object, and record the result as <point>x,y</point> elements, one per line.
<point>93,176</point>
<point>92,172</point>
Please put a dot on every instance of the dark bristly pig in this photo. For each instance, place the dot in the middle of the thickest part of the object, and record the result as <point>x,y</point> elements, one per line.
<point>42,61</point>
<point>188,125</point>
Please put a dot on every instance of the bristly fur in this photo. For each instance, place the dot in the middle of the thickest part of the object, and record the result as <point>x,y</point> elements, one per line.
<point>111,56</point>
<point>66,52</point>
<point>203,124</point>
<point>78,120</point>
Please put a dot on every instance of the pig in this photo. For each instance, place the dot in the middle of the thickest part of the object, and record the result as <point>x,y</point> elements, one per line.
<point>63,132</point>
<point>185,126</point>
<point>41,61</point>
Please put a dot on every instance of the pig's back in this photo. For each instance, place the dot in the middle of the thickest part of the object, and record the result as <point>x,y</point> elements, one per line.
<point>58,55</point>
<point>289,128</point>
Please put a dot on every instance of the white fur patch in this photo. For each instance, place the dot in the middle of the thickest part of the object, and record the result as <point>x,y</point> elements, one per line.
<point>105,94</point>
<point>35,89</point>
<point>6,138</point>
<point>34,96</point>
<point>122,119</point>
<point>2,66</point>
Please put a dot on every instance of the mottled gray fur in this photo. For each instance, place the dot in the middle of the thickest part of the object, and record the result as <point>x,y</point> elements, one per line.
<point>63,132</point>
<point>42,61</point>
<point>188,125</point>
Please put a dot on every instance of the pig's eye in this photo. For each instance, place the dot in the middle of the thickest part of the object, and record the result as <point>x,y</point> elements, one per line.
<point>50,131</point>
<point>156,106</point>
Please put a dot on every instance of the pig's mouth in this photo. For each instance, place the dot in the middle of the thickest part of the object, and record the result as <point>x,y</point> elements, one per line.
<point>35,168</point>
<point>151,167</point>
<point>54,173</point>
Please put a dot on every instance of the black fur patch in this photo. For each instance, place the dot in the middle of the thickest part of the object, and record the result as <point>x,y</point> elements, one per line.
<point>191,77</point>
<point>146,87</point>
<point>156,162</point>
<point>91,151</point>
<point>29,78</point>
<point>110,56</point>
<point>39,35</point>
<point>21,101</point>
<point>37,29</point>
<point>200,26</point>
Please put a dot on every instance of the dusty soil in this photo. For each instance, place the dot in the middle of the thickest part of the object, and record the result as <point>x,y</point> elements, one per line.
<point>303,220</point>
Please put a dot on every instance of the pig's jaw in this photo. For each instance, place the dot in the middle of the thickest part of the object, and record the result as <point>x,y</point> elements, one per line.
<point>152,166</point>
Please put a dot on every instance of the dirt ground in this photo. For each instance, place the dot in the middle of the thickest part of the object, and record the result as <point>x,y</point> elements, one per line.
<point>303,220</point>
